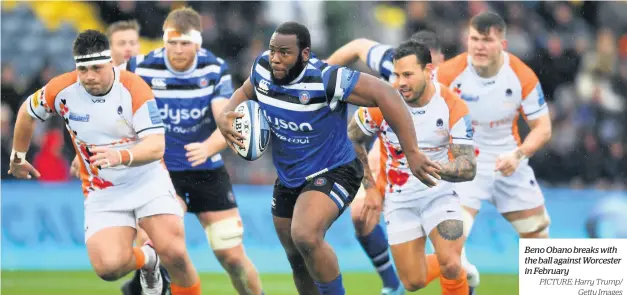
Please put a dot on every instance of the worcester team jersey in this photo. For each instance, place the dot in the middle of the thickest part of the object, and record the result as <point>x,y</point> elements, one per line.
<point>185,101</point>
<point>308,118</point>
<point>443,121</point>
<point>495,103</point>
<point>118,119</point>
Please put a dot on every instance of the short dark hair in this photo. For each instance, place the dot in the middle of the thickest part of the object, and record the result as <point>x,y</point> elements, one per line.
<point>90,41</point>
<point>428,38</point>
<point>413,47</point>
<point>294,28</point>
<point>123,25</point>
<point>487,20</point>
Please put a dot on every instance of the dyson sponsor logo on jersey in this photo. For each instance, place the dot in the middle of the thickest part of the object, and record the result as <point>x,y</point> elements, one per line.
<point>287,125</point>
<point>175,116</point>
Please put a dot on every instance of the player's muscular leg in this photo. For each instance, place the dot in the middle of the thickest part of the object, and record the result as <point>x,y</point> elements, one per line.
<point>411,264</point>
<point>531,223</point>
<point>448,239</point>
<point>142,237</point>
<point>302,279</point>
<point>111,253</point>
<point>313,215</point>
<point>168,237</point>
<point>224,232</point>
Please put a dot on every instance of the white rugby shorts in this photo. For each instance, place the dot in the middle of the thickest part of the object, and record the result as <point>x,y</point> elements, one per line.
<point>122,205</point>
<point>412,219</point>
<point>520,191</point>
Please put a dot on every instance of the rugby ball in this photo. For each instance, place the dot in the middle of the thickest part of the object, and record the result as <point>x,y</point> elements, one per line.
<point>254,126</point>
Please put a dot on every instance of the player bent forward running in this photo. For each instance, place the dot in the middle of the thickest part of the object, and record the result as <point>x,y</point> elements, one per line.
<point>291,85</point>
<point>413,210</point>
<point>117,132</point>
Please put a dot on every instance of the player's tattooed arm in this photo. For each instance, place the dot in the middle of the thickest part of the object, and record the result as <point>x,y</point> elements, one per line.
<point>359,140</point>
<point>464,165</point>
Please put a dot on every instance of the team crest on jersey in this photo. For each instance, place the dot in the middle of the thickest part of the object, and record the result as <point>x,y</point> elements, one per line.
<point>203,82</point>
<point>304,97</point>
<point>508,92</point>
<point>320,181</point>
<point>439,123</point>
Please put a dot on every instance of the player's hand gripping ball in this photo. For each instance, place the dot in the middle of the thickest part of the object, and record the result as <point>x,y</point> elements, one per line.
<point>254,128</point>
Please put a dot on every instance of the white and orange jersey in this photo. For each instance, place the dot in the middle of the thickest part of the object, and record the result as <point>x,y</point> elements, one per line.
<point>495,103</point>
<point>443,121</point>
<point>118,119</point>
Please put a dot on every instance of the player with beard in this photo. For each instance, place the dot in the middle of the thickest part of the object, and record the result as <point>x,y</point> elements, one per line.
<point>498,88</point>
<point>191,85</point>
<point>412,210</point>
<point>292,86</point>
<point>372,238</point>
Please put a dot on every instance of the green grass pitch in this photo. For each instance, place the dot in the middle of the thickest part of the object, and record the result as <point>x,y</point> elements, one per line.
<point>87,283</point>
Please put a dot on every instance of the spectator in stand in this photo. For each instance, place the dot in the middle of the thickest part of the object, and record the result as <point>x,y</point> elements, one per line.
<point>50,161</point>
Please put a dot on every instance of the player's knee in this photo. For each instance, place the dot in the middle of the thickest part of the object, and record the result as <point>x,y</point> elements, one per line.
<point>536,226</point>
<point>108,268</point>
<point>413,282</point>
<point>225,234</point>
<point>451,268</point>
<point>306,239</point>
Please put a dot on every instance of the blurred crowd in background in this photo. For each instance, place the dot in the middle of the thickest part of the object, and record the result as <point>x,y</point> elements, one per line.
<point>578,49</point>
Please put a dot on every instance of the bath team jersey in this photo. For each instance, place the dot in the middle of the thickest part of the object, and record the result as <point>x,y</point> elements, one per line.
<point>185,101</point>
<point>117,120</point>
<point>308,118</point>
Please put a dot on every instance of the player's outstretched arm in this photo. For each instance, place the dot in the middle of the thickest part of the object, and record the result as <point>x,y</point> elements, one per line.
<point>359,140</point>
<point>371,210</point>
<point>349,53</point>
<point>22,134</point>
<point>464,165</point>
<point>225,119</point>
<point>370,91</point>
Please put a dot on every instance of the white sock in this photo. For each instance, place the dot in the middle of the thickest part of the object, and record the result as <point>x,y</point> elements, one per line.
<point>151,257</point>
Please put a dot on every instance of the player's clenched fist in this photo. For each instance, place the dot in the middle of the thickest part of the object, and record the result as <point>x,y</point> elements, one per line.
<point>508,163</point>
<point>423,168</point>
<point>225,124</point>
